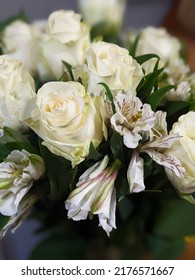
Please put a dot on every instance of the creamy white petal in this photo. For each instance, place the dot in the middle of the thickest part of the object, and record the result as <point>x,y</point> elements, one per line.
<point>168,161</point>
<point>17,174</point>
<point>95,194</point>
<point>135,173</point>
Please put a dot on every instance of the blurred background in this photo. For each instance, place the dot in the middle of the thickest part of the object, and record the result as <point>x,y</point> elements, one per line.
<point>139,14</point>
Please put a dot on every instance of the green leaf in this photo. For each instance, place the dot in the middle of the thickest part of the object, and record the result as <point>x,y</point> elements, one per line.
<point>3,221</point>
<point>104,31</point>
<point>176,219</point>
<point>165,249</point>
<point>11,135</point>
<point>173,107</point>
<point>122,187</point>
<point>13,140</point>
<point>59,172</point>
<point>192,106</point>
<point>20,146</point>
<point>116,145</point>
<point>93,153</point>
<point>143,58</point>
<point>155,98</point>
<point>4,152</point>
<point>147,83</point>
<point>125,208</point>
<point>109,95</point>
<point>69,68</point>
<point>133,47</point>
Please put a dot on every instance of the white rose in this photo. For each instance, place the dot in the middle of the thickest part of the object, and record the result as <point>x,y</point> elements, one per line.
<point>17,174</point>
<point>158,41</point>
<point>65,26</point>
<point>67,119</point>
<point>66,40</point>
<point>20,41</point>
<point>16,90</point>
<point>184,150</point>
<point>110,11</point>
<point>112,65</point>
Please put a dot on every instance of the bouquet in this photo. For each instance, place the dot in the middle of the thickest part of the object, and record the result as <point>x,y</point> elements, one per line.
<point>97,132</point>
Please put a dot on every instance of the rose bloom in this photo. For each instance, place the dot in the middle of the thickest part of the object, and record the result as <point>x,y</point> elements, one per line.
<point>20,41</point>
<point>184,150</point>
<point>158,41</point>
<point>16,89</point>
<point>112,65</point>
<point>110,11</point>
<point>67,119</point>
<point>66,40</point>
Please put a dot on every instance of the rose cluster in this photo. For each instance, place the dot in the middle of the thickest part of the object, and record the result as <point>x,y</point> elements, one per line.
<point>98,107</point>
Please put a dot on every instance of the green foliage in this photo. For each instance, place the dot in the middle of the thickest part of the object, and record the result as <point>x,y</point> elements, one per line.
<point>174,107</point>
<point>59,172</point>
<point>109,95</point>
<point>105,32</point>
<point>143,58</point>
<point>147,84</point>
<point>4,152</point>
<point>156,96</point>
<point>3,221</point>
<point>176,219</point>
<point>93,153</point>
<point>122,187</point>
<point>14,140</point>
<point>69,69</point>
<point>11,135</point>
<point>117,146</point>
<point>133,47</point>
<point>125,208</point>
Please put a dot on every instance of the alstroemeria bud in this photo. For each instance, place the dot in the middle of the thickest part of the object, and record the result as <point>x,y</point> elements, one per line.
<point>24,209</point>
<point>95,194</point>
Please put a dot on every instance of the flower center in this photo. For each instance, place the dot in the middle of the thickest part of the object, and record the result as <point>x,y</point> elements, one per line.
<point>135,117</point>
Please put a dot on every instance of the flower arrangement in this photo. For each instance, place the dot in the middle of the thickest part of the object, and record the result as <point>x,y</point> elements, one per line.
<point>91,128</point>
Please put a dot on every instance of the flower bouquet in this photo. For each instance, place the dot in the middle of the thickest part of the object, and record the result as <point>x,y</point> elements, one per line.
<point>96,132</point>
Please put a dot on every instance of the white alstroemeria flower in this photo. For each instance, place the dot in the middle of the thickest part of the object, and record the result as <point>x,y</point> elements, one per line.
<point>24,209</point>
<point>169,162</point>
<point>132,119</point>
<point>135,173</point>
<point>182,92</point>
<point>159,140</point>
<point>17,174</point>
<point>179,74</point>
<point>158,135</point>
<point>95,193</point>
